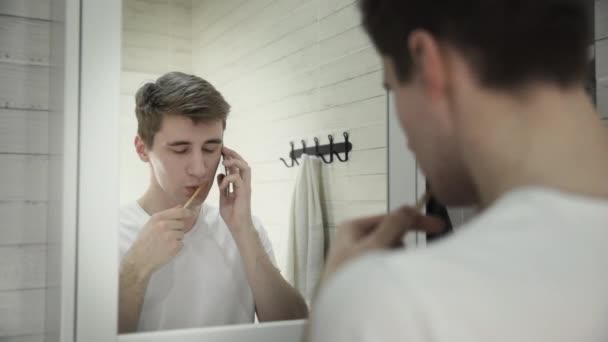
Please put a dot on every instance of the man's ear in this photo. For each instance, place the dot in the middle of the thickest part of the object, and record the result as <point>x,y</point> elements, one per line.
<point>141,149</point>
<point>429,63</point>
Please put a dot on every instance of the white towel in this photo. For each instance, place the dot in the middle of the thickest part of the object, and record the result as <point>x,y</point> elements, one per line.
<point>307,230</point>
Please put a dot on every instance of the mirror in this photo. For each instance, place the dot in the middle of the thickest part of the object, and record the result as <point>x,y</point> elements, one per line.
<point>347,96</point>
<point>292,71</point>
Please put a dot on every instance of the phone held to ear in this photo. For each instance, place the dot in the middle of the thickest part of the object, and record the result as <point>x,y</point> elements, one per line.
<point>229,189</point>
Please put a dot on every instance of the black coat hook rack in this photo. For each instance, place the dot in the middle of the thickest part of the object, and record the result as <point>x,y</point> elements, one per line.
<point>331,150</point>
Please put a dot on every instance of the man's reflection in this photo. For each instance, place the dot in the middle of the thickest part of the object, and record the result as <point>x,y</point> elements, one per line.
<point>202,265</point>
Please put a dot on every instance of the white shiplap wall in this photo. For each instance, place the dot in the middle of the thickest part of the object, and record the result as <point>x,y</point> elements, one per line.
<point>156,38</point>
<point>24,156</point>
<point>292,70</point>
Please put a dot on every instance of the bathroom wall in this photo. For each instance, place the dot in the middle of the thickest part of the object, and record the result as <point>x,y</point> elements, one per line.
<point>24,175</point>
<point>292,70</point>
<point>156,39</point>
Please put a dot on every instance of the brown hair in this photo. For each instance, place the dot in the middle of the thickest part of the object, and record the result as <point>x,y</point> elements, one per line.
<point>177,93</point>
<point>508,42</point>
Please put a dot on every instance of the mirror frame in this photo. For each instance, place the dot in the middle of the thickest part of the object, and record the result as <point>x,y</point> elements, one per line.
<point>284,331</point>
<point>97,211</point>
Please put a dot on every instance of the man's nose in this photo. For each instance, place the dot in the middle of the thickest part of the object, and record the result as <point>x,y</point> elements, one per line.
<point>197,167</point>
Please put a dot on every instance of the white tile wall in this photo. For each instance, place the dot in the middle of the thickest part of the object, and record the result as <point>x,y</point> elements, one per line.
<point>24,148</point>
<point>36,9</point>
<point>24,86</point>
<point>22,312</point>
<point>17,127</point>
<point>23,222</point>
<point>156,36</point>
<point>294,70</point>
<point>25,338</point>
<point>16,30</point>
<point>22,267</point>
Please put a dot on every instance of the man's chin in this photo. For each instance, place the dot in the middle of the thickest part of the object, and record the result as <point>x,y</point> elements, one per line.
<point>198,200</point>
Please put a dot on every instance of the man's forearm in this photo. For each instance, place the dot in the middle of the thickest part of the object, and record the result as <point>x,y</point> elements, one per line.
<point>133,285</point>
<point>275,299</point>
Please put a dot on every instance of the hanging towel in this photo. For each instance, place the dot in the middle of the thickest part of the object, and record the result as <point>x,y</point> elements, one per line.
<point>307,229</point>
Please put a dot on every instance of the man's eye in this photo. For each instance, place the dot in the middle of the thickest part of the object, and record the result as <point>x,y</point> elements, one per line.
<point>209,150</point>
<point>180,151</point>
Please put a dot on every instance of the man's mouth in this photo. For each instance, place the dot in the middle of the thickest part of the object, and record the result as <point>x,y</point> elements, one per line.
<point>190,190</point>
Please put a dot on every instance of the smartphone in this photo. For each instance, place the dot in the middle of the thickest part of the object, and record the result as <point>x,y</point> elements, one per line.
<point>229,189</point>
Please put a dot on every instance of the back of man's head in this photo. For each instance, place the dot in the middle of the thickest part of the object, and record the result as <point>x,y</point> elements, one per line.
<point>458,70</point>
<point>508,42</point>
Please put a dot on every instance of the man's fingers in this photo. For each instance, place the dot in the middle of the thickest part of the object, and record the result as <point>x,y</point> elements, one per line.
<point>231,153</point>
<point>235,179</point>
<point>175,225</point>
<point>391,230</point>
<point>240,166</point>
<point>430,224</point>
<point>362,226</point>
<point>239,163</point>
<point>176,235</point>
<point>370,221</point>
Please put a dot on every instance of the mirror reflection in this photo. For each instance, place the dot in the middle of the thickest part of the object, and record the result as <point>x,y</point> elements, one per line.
<point>214,228</point>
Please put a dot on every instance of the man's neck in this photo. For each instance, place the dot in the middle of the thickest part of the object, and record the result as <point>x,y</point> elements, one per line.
<point>155,200</point>
<point>553,139</point>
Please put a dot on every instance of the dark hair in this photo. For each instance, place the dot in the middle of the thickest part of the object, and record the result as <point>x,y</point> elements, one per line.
<point>507,42</point>
<point>176,93</point>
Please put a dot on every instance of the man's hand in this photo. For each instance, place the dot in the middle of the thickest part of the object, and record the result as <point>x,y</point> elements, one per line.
<point>235,208</point>
<point>358,237</point>
<point>159,240</point>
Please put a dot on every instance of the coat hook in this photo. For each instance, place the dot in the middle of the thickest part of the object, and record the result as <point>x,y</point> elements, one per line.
<point>321,150</point>
<point>331,156</point>
<point>292,156</point>
<point>345,134</point>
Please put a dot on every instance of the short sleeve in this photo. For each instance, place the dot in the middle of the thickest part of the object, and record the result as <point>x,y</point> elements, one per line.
<point>364,303</point>
<point>131,219</point>
<point>265,240</point>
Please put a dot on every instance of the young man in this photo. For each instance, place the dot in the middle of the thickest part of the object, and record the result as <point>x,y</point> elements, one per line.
<point>198,266</point>
<point>491,96</point>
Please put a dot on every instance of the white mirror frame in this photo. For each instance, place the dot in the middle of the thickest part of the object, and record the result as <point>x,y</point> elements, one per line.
<point>97,255</point>
<point>285,331</point>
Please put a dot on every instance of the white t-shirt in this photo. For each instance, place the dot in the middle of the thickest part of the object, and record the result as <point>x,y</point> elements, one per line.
<point>204,284</point>
<point>532,268</point>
